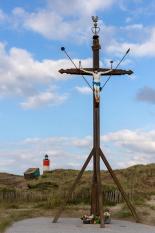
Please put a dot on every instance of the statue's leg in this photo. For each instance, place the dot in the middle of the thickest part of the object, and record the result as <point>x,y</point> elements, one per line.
<point>97,94</point>
<point>96,88</point>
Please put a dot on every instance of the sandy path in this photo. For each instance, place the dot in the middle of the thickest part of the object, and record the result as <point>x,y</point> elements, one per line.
<point>74,225</point>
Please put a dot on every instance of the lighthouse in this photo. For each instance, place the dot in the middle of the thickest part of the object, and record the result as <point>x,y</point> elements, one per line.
<point>46,164</point>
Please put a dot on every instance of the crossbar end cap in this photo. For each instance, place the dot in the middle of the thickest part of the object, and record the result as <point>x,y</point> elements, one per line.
<point>130,72</point>
<point>61,71</point>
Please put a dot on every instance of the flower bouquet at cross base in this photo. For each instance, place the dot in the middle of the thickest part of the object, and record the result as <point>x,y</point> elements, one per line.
<point>107,216</point>
<point>90,219</point>
<point>93,219</point>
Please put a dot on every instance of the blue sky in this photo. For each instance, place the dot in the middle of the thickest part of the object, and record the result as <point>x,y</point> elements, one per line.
<point>42,111</point>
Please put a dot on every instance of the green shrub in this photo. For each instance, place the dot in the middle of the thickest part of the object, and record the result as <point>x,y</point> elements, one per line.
<point>4,224</point>
<point>53,202</point>
<point>124,213</point>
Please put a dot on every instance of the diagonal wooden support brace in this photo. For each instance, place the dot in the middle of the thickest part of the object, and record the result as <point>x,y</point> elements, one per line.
<point>125,197</point>
<point>73,187</point>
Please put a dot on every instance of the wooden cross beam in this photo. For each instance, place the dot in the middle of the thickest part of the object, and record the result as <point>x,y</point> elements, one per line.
<point>80,72</point>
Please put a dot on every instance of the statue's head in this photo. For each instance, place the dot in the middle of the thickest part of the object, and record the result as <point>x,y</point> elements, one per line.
<point>95,71</point>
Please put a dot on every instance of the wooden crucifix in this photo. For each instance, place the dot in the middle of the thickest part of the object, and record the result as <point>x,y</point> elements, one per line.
<point>96,152</point>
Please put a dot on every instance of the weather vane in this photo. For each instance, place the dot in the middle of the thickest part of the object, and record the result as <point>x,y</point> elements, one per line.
<point>95,29</point>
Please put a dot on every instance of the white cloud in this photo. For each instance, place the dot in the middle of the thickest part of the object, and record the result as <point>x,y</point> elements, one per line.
<point>57,21</point>
<point>52,21</point>
<point>84,89</point>
<point>135,141</point>
<point>115,63</point>
<point>84,142</point>
<point>18,66</point>
<point>141,159</point>
<point>22,75</point>
<point>59,142</point>
<point>62,152</point>
<point>20,71</point>
<point>122,148</point>
<point>85,7</point>
<point>133,27</point>
<point>49,24</point>
<point>141,49</point>
<point>43,98</point>
<point>130,147</point>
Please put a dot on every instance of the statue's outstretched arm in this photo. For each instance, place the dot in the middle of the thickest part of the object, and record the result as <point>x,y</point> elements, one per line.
<point>86,71</point>
<point>105,72</point>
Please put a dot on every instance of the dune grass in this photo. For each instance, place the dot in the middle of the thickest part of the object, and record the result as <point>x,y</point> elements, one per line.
<point>42,196</point>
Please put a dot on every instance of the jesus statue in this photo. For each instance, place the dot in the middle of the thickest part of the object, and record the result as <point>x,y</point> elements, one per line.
<point>96,81</point>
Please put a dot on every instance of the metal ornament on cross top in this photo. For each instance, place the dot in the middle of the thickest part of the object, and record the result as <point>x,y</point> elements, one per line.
<point>96,152</point>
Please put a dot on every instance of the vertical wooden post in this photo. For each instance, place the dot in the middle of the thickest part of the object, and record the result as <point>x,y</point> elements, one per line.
<point>96,197</point>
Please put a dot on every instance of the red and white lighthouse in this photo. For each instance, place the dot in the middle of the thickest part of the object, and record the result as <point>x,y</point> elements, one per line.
<point>46,164</point>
